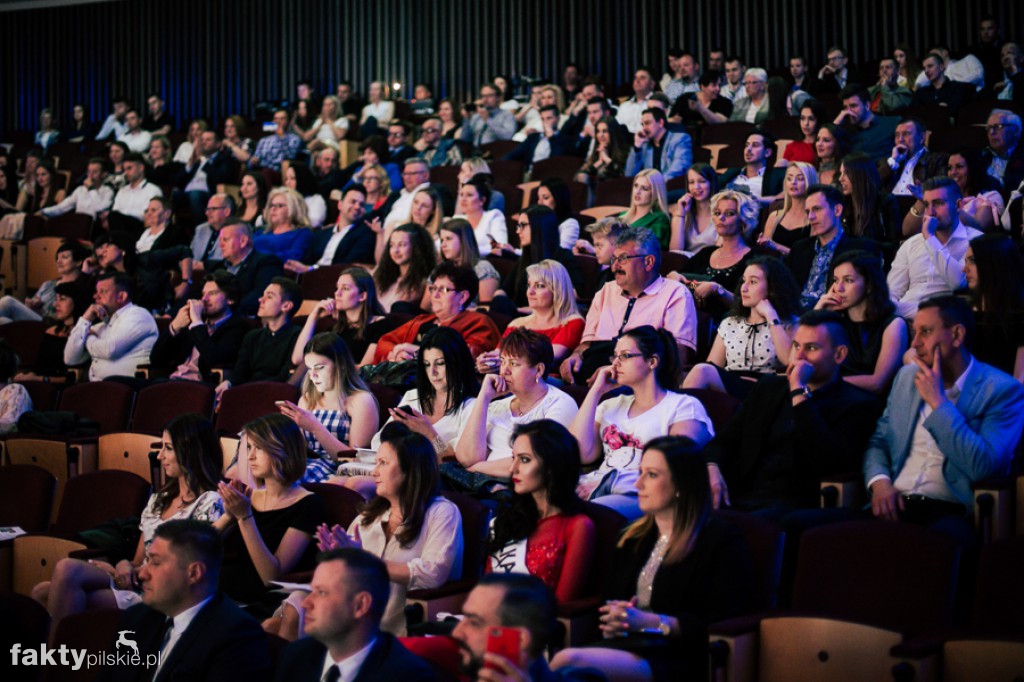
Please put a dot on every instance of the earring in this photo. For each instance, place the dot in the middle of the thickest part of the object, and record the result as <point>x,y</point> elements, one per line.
<point>677,495</point>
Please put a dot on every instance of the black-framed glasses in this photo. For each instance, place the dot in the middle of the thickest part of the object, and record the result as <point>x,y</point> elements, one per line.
<point>622,357</point>
<point>440,290</point>
<point>522,226</point>
<point>621,260</point>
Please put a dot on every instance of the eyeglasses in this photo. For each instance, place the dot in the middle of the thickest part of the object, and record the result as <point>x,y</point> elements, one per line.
<point>522,226</point>
<point>440,290</point>
<point>622,357</point>
<point>620,260</point>
<point>209,209</point>
<point>996,127</point>
<point>431,130</point>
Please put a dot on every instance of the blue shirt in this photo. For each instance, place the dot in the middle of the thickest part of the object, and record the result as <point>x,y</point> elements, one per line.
<point>817,281</point>
<point>272,150</point>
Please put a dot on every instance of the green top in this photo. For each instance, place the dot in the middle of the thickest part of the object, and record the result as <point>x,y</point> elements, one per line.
<point>658,223</point>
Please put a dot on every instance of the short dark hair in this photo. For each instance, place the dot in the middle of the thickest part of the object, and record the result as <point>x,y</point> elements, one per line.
<point>550,107</point>
<point>354,187</point>
<point>193,540</point>
<point>953,310</point>
<point>369,573</point>
<point>833,195</point>
<point>534,348</point>
<point>290,291</point>
<point>482,186</point>
<point>709,77</point>
<point>832,322</point>
<point>464,278</point>
<point>133,157</point>
<point>527,603</point>
<point>404,125</point>
<point>656,113</point>
<point>601,101</point>
<point>227,283</point>
<point>855,90</point>
<point>78,252</point>
<point>942,182</point>
<point>122,282</point>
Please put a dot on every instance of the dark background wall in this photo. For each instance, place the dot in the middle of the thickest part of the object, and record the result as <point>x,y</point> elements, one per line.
<point>212,58</point>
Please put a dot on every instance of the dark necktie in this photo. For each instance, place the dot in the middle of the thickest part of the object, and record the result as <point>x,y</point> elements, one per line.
<point>332,674</point>
<point>625,318</point>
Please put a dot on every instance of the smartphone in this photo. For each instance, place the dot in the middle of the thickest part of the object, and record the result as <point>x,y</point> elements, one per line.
<point>279,403</point>
<point>505,642</point>
<point>406,409</point>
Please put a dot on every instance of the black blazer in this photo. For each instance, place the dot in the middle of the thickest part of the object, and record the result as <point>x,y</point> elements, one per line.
<point>253,276</point>
<point>771,182</point>
<point>801,256</point>
<point>356,247</point>
<point>219,348</point>
<point>388,661</point>
<point>221,643</point>
<point>221,169</point>
<point>562,144</point>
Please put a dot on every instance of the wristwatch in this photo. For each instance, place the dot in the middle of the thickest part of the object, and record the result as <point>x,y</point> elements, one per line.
<point>805,392</point>
<point>775,323</point>
<point>663,628</point>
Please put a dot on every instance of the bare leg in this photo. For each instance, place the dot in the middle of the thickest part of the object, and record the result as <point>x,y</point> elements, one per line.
<point>41,593</point>
<point>616,665</point>
<point>706,376</point>
<point>77,586</point>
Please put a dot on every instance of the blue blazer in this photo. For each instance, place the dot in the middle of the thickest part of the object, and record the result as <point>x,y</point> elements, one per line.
<point>676,156</point>
<point>977,436</point>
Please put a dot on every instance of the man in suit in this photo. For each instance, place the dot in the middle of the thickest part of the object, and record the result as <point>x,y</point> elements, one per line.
<point>950,421</point>
<point>543,145</point>
<point>1004,156</point>
<point>350,590</point>
<point>349,241</point>
<point>793,430</point>
<point>758,177</point>
<point>210,165</point>
<point>897,172</point>
<point>655,147</point>
<point>252,269</point>
<point>399,148</point>
<point>185,628</point>
<point>836,74</point>
<point>810,259</point>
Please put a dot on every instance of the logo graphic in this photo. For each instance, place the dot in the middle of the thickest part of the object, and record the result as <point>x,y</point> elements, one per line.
<point>125,641</point>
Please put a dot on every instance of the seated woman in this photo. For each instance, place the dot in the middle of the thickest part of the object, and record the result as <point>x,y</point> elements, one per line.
<point>452,287</point>
<point>676,570</point>
<point>235,140</point>
<point>286,233</point>
<point>812,117</point>
<point>476,166</point>
<point>298,177</point>
<point>71,301</point>
<point>831,145</point>
<point>692,226</point>
<point>995,277</point>
<point>648,206</point>
<point>416,531</point>
<point>163,170</point>
<point>537,228</point>
<point>756,336</point>
<point>878,336</point>
<point>446,386</point>
<point>704,107</point>
<point>458,245</point>
<point>329,129</point>
<point>488,225</point>
<point>867,212</point>
<point>69,258</point>
<point>359,317</point>
<point>426,211</point>
<point>44,195</point>
<point>719,269</point>
<point>608,160</point>
<point>982,205</point>
<point>190,457</point>
<point>377,182</point>
<point>253,191</point>
<point>276,521</point>
<point>553,313</point>
<point>646,361</point>
<point>373,151</point>
<point>554,193</point>
<point>451,120</point>
<point>337,412</point>
<point>543,530</point>
<point>788,223</point>
<point>402,270</point>
<point>485,446</point>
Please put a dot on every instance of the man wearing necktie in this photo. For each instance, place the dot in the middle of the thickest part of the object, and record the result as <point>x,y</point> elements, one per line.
<point>349,592</point>
<point>185,627</point>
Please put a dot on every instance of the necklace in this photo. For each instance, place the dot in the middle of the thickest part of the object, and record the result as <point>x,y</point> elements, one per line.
<point>522,410</point>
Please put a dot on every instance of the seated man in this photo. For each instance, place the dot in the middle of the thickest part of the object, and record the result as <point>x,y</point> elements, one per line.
<point>415,176</point>
<point>631,111</point>
<point>157,120</point>
<point>793,430</point>
<point>940,90</point>
<point>184,626</point>
<point>253,269</point>
<point>908,148</point>
<point>209,165</point>
<point>655,147</point>
<point>968,70</point>
<point>437,151</point>
<point>349,241</point>
<point>836,74</point>
<point>205,243</point>
<point>266,352</point>
<point>204,334</point>
<point>279,145</point>
<point>132,199</point>
<point>485,122</point>
<point>134,136</point>
<point>114,123</point>
<point>887,95</point>
<point>758,177</point>
<point>869,133</point>
<point>810,259</point>
<point>638,295</point>
<point>116,334</point>
<point>950,421</point>
<point>553,141</point>
<point>328,174</point>
<point>343,612</point>
<point>1004,156</point>
<point>399,148</point>
<point>90,198</point>
<point>932,262</point>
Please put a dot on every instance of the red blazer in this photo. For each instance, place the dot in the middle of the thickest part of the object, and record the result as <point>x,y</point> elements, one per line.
<point>479,331</point>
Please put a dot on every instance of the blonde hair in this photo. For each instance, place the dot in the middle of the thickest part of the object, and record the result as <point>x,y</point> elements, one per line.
<point>298,214</point>
<point>660,204</point>
<point>810,178</point>
<point>333,100</point>
<point>477,165</point>
<point>385,179</point>
<point>559,95</point>
<point>746,206</point>
<point>556,278</point>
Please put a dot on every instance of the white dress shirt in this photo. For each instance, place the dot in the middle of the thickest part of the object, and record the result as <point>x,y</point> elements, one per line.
<point>117,347</point>
<point>83,200</point>
<point>347,667</point>
<point>923,267</point>
<point>133,200</point>
<point>138,141</point>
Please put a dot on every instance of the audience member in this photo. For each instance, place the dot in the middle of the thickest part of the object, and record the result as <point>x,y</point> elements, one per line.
<point>1004,156</point>
<point>253,270</point>
<point>278,146</point>
<point>134,136</point>
<point>654,147</point>
<point>157,120</point>
<point>648,206</point>
<point>131,200</point>
<point>757,177</point>
<point>404,268</point>
<point>607,159</point>
<point>631,111</point>
<point>555,194</point>
<point>42,305</point>
<point>994,272</point>
<point>209,166</point>
<point>836,74</point>
<point>488,224</point>
<point>812,118</point>
<point>869,133</point>
<point>867,212</point>
<point>458,245</point>
<point>982,204</point>
<point>349,241</point>
<point>205,243</point>
<point>90,198</point>
<point>897,173</point>
<point>253,194</point>
<point>831,145</point>
<point>435,149</point>
<point>887,95</point>
<point>604,232</point>
<point>705,106</point>
<point>71,301</point>
<point>485,120</point>
<point>755,107</point>
<point>788,223</point>
<point>692,226</point>
<point>299,178</point>
<point>940,91</point>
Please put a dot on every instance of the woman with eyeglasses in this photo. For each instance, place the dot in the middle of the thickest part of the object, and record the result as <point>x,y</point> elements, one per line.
<point>719,269</point>
<point>614,432</point>
<point>287,233</point>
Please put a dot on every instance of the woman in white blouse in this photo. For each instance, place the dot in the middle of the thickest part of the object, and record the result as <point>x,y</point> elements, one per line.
<point>488,226</point>
<point>329,129</point>
<point>378,106</point>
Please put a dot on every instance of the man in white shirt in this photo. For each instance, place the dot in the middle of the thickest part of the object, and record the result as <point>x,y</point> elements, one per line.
<point>343,612</point>
<point>733,88</point>
<point>132,199</point>
<point>134,136</point>
<point>351,241</point>
<point>633,108</point>
<point>116,334</point>
<point>114,123</point>
<point>415,176</point>
<point>89,198</point>
<point>966,70</point>
<point>908,148</point>
<point>184,626</point>
<point>950,421</point>
<point>932,262</point>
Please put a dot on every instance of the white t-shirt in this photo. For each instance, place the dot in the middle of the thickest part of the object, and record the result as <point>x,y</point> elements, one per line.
<point>556,405</point>
<point>448,427</point>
